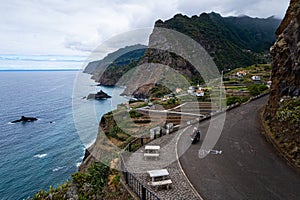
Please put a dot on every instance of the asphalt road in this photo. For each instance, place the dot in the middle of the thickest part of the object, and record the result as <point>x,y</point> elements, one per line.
<point>248,168</point>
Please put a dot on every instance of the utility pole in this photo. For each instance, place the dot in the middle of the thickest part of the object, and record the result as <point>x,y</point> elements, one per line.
<point>221,84</point>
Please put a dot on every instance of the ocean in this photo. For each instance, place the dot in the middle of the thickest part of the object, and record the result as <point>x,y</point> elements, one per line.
<point>35,155</point>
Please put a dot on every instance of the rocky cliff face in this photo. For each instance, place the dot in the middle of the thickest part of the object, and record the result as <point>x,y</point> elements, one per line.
<point>285,59</point>
<point>283,109</point>
<point>230,41</point>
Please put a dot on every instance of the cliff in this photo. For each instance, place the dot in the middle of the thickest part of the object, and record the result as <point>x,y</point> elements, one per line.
<point>231,41</point>
<point>283,110</point>
<point>109,70</point>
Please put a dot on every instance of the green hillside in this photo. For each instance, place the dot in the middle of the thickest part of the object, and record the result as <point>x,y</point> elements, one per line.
<point>233,42</point>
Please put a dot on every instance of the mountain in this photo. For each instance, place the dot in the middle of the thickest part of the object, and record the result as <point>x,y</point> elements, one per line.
<point>109,70</point>
<point>282,114</point>
<point>232,41</point>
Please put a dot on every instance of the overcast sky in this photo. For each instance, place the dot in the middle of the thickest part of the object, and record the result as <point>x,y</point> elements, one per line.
<point>76,27</point>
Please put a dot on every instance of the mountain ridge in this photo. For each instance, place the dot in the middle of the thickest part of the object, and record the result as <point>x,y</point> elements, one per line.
<point>232,42</point>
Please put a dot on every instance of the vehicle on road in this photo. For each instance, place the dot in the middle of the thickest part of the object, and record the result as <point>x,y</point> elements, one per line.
<point>195,136</point>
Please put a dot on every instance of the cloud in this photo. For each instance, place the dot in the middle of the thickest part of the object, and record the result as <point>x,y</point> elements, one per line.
<point>78,27</point>
<point>254,8</point>
<point>78,45</point>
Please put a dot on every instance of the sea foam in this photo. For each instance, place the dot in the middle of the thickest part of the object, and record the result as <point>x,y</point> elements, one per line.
<point>57,169</point>
<point>40,155</point>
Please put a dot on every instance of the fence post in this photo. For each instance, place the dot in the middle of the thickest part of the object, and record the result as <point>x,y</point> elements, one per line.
<point>126,177</point>
<point>143,193</point>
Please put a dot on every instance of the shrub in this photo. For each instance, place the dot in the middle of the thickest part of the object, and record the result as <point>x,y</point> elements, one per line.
<point>256,89</point>
<point>135,147</point>
<point>235,99</point>
<point>134,114</point>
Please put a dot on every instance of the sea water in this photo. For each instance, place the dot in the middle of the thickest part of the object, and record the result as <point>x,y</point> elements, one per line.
<point>35,155</point>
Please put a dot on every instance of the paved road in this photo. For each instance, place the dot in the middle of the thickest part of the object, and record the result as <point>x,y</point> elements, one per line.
<point>248,168</point>
<point>171,112</point>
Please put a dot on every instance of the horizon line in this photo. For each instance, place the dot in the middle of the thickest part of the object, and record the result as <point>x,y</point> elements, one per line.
<point>7,70</point>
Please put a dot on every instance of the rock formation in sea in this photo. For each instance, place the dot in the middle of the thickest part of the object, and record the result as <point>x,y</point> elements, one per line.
<point>25,119</point>
<point>98,95</point>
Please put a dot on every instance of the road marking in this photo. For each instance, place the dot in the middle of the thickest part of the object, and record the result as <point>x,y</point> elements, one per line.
<point>203,152</point>
<point>177,157</point>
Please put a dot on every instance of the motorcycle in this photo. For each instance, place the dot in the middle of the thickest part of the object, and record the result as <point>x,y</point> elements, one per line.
<point>195,136</point>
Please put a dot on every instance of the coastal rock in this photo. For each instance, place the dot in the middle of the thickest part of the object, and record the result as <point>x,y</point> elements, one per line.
<point>98,95</point>
<point>25,119</point>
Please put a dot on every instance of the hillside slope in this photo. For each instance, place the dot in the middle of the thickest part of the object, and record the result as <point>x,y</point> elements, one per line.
<point>283,110</point>
<point>109,70</point>
<point>232,42</point>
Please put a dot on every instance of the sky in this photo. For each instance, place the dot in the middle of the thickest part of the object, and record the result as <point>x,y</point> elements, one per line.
<point>77,27</point>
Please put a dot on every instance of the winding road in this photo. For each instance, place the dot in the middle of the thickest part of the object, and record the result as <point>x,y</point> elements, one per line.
<point>248,167</point>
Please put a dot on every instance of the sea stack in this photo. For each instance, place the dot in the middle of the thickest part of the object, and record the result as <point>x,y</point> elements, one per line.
<point>99,95</point>
<point>25,119</point>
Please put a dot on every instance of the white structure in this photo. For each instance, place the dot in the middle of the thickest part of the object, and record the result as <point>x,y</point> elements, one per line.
<point>191,90</point>
<point>199,94</point>
<point>241,73</point>
<point>154,131</point>
<point>255,78</point>
<point>160,174</point>
<point>151,151</point>
<point>169,127</point>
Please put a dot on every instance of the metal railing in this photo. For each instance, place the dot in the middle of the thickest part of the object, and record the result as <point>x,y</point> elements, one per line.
<point>135,185</point>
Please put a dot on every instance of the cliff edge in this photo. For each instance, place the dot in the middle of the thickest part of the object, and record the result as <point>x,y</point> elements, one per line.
<point>282,112</point>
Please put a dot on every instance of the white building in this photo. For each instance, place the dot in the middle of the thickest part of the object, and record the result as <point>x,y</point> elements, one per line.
<point>255,78</point>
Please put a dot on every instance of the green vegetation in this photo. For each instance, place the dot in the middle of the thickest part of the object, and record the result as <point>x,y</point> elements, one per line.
<point>135,147</point>
<point>134,114</point>
<point>236,99</point>
<point>261,70</point>
<point>257,89</point>
<point>289,111</point>
<point>139,105</point>
<point>111,129</point>
<point>91,185</point>
<point>56,193</point>
<point>120,58</point>
<point>285,128</point>
<point>170,103</point>
<point>233,41</point>
<point>159,91</point>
